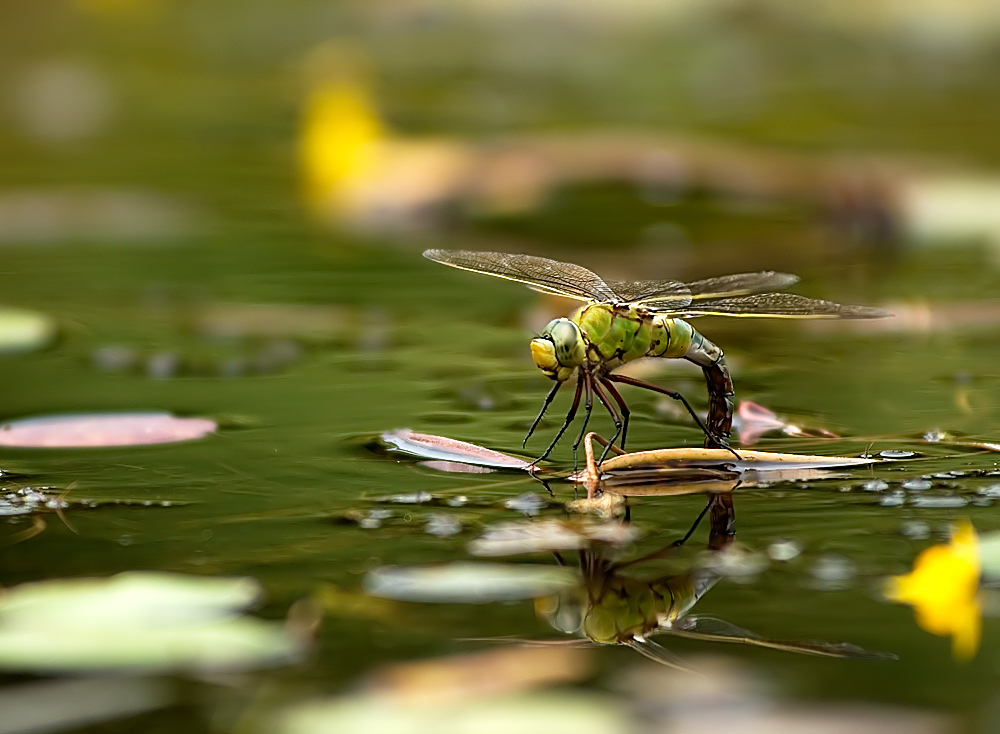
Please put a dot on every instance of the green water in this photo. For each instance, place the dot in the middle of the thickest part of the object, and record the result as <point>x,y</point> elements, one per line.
<point>444,352</point>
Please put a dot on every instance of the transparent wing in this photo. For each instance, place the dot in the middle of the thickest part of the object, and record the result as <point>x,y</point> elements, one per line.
<point>538,273</point>
<point>672,296</point>
<point>668,294</point>
<point>718,630</point>
<point>780,305</point>
<point>740,284</point>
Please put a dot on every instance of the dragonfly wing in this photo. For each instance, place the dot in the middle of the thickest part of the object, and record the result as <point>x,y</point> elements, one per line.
<point>671,293</point>
<point>668,296</point>
<point>781,305</point>
<point>538,273</point>
<point>739,284</point>
<point>719,630</point>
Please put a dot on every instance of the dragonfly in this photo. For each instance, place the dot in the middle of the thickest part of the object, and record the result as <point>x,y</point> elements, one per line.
<point>623,321</point>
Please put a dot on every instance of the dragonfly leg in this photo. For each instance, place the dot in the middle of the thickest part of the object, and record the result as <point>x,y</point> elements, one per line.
<point>569,418</point>
<point>622,406</point>
<point>588,387</point>
<point>606,401</point>
<point>626,380</point>
<point>538,419</point>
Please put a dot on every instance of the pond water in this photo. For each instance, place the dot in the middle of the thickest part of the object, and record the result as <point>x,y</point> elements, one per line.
<point>305,346</point>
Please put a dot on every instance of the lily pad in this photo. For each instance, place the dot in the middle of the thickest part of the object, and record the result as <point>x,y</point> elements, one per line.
<point>427,446</point>
<point>467,583</point>
<point>103,429</point>
<point>24,331</point>
<point>139,620</point>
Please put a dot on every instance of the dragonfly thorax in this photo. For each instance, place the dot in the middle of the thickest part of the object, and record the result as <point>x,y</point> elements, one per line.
<point>559,349</point>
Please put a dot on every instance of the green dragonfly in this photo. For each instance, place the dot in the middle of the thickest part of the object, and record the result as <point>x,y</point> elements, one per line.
<point>624,321</point>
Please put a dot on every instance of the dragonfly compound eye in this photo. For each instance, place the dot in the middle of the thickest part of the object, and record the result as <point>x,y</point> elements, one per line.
<point>568,342</point>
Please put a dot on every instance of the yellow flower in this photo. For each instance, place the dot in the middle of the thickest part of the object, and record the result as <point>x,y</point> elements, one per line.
<point>943,590</point>
<point>339,144</point>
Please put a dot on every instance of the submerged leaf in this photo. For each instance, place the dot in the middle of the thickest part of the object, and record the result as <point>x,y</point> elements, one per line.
<point>103,429</point>
<point>427,446</point>
<point>139,620</point>
<point>467,583</point>
<point>24,331</point>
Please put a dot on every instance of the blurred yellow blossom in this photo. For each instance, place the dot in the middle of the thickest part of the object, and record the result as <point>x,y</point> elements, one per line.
<point>943,590</point>
<point>339,145</point>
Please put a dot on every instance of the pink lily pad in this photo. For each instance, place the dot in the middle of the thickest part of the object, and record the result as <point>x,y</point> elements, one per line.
<point>103,429</point>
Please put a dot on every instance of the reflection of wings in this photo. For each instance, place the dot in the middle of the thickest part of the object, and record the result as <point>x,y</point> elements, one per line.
<point>718,630</point>
<point>656,653</point>
<point>727,295</point>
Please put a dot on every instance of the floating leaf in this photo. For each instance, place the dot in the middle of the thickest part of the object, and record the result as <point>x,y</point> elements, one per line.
<point>526,713</point>
<point>546,536</point>
<point>24,331</point>
<point>145,620</point>
<point>686,470</point>
<point>426,446</point>
<point>467,583</point>
<point>753,420</point>
<point>103,429</point>
<point>487,672</point>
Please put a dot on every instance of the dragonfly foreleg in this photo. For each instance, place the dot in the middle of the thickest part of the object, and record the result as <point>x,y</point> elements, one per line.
<point>538,419</point>
<point>588,387</point>
<point>626,380</point>
<point>569,418</point>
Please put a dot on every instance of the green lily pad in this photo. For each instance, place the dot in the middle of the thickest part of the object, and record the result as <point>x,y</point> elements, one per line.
<point>24,331</point>
<point>139,620</point>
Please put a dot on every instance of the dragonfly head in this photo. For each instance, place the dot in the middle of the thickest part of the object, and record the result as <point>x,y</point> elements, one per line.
<point>559,350</point>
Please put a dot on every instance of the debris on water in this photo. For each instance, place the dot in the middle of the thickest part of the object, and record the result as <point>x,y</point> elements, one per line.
<point>890,454</point>
<point>468,583</point>
<point>915,530</point>
<point>941,501</point>
<point>412,498</point>
<point>784,550</point>
<point>736,562</point>
<point>875,485</point>
<point>893,499</point>
<point>833,572</point>
<point>917,484</point>
<point>511,538</point>
<point>529,503</point>
<point>442,525</point>
<point>272,320</point>
<point>26,500</point>
<point>114,359</point>
<point>163,366</point>
<point>935,436</point>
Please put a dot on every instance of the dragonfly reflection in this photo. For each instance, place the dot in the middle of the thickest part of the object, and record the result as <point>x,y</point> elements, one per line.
<point>613,607</point>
